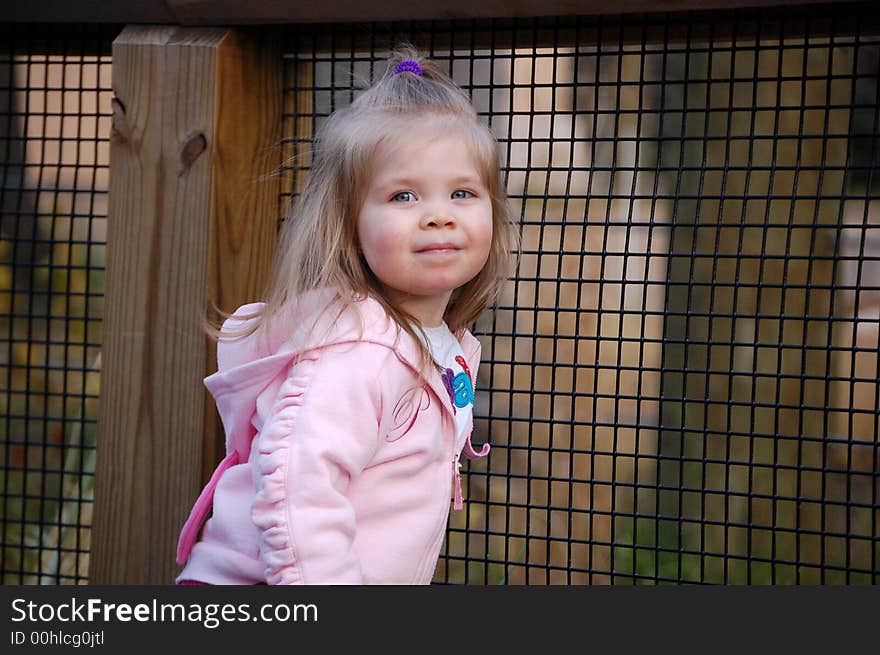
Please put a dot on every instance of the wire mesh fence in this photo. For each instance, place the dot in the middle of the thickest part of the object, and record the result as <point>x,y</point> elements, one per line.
<point>54,128</point>
<point>680,382</point>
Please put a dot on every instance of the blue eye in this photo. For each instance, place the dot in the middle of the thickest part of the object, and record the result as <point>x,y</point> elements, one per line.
<point>403,196</point>
<point>461,194</point>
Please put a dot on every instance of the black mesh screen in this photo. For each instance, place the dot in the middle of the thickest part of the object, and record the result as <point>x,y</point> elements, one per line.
<point>54,130</point>
<point>680,383</point>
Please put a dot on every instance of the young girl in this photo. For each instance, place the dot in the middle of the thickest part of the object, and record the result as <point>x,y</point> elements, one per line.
<point>347,396</point>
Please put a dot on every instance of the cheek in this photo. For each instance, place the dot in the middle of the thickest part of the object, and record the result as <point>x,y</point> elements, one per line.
<point>482,234</point>
<point>374,235</point>
<point>380,241</point>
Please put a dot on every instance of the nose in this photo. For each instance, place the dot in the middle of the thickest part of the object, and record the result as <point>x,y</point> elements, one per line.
<point>437,215</point>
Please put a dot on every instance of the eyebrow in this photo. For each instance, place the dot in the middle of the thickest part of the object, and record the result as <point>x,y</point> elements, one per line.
<point>407,181</point>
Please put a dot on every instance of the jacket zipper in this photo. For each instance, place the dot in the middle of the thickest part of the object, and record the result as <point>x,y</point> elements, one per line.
<point>438,536</point>
<point>458,502</point>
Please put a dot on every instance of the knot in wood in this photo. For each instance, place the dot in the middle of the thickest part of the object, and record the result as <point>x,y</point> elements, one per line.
<point>120,131</point>
<point>193,146</point>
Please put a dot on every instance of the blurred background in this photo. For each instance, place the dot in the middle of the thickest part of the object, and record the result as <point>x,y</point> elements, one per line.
<point>680,382</point>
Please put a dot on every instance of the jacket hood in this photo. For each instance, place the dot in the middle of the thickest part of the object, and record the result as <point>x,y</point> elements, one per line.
<point>314,320</point>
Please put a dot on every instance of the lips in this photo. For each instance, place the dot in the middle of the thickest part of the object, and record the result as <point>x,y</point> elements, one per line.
<point>439,247</point>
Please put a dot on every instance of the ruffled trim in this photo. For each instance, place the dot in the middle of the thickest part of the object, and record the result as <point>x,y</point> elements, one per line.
<point>269,511</point>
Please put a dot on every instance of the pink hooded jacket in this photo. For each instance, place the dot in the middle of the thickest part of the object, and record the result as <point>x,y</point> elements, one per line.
<point>339,466</point>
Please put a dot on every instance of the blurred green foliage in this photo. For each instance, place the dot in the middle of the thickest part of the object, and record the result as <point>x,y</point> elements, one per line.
<point>763,477</point>
<point>51,327</point>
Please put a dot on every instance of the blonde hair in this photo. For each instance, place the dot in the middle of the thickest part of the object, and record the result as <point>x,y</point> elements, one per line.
<point>318,245</point>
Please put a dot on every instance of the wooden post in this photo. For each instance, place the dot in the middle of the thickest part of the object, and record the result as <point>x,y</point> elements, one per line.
<point>193,219</point>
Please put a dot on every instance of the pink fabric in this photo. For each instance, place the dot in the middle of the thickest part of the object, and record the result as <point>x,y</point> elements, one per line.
<point>343,478</point>
<point>473,454</point>
<point>190,530</point>
<point>458,502</point>
<point>196,583</point>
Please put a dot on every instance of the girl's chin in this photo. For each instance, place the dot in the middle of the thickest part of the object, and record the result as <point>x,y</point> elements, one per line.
<point>423,295</point>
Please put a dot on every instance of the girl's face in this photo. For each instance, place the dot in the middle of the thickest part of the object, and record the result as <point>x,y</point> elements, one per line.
<point>425,227</point>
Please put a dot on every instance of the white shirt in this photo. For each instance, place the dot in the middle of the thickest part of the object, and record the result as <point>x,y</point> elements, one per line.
<point>458,380</point>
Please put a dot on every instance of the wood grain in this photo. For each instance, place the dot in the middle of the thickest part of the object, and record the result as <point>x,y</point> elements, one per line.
<point>198,110</point>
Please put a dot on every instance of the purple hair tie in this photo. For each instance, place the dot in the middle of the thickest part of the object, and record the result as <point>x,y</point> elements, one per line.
<point>408,66</point>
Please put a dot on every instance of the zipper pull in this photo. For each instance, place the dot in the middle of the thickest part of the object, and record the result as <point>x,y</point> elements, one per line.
<point>456,470</point>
